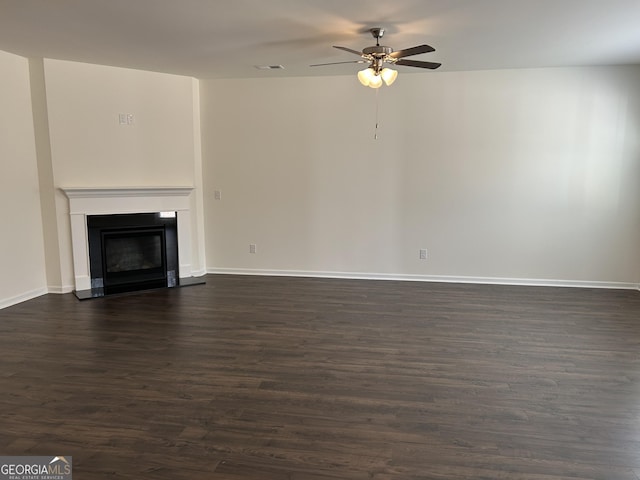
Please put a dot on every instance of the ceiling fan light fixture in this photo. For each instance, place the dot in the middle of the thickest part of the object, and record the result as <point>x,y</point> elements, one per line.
<point>376,81</point>
<point>365,76</point>
<point>370,78</point>
<point>389,75</point>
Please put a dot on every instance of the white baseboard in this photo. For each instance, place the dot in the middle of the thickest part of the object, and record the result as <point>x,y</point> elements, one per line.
<point>57,289</point>
<point>7,302</point>
<point>198,273</point>
<point>428,278</point>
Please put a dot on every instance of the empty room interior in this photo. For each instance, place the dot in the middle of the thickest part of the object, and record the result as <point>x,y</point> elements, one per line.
<point>321,240</point>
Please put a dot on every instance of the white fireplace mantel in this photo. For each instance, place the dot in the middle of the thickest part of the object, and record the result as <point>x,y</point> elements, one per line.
<point>84,201</point>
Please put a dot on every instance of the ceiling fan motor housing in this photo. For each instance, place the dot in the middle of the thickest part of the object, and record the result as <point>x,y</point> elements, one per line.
<point>377,55</point>
<point>378,51</point>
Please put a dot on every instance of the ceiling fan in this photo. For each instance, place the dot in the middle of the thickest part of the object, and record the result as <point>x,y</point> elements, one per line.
<point>376,56</point>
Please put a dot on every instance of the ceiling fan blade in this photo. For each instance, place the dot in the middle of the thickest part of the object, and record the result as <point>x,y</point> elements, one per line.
<point>337,63</point>
<point>419,64</point>
<point>407,52</point>
<point>350,50</point>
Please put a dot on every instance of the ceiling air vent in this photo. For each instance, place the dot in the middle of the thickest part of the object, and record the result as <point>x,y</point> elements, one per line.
<point>269,67</point>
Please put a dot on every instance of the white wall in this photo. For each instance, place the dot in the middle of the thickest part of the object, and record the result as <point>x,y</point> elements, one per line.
<point>52,252</point>
<point>89,147</point>
<point>525,174</point>
<point>21,242</point>
<point>522,174</point>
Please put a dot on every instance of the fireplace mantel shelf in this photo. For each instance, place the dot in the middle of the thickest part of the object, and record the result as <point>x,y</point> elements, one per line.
<point>93,192</point>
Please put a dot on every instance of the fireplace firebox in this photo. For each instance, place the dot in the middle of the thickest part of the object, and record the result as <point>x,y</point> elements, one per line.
<point>130,252</point>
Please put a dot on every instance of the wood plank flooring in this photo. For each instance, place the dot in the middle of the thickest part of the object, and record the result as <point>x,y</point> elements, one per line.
<point>266,378</point>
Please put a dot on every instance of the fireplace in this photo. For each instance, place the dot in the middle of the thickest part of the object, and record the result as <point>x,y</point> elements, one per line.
<point>130,252</point>
<point>143,236</point>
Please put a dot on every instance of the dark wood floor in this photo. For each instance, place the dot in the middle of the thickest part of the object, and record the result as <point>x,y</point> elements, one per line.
<point>257,378</point>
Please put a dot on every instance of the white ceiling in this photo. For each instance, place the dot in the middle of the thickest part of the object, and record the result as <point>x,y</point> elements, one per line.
<point>227,38</point>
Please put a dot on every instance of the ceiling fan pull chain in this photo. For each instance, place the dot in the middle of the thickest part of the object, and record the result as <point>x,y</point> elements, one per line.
<point>375,135</point>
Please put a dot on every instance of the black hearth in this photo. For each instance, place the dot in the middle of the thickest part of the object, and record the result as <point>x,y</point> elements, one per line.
<point>130,252</point>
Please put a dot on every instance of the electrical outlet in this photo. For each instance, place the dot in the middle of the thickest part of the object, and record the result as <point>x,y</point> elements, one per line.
<point>252,248</point>
<point>423,254</point>
<point>217,195</point>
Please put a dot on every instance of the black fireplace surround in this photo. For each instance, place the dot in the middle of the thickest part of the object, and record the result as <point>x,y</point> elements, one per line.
<point>131,252</point>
